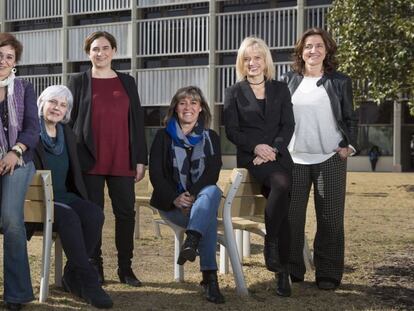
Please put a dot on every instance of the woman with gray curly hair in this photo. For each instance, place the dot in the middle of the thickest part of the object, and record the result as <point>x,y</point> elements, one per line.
<point>77,220</point>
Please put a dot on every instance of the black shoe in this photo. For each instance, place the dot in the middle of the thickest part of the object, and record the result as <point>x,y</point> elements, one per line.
<point>211,287</point>
<point>295,279</point>
<point>189,248</point>
<point>127,276</point>
<point>96,296</point>
<point>283,285</point>
<point>271,255</point>
<point>98,265</point>
<point>13,306</point>
<point>327,283</point>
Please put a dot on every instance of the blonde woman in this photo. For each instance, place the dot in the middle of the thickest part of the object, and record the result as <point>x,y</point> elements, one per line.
<point>259,120</point>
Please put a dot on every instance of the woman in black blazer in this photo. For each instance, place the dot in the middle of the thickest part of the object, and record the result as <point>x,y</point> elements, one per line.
<point>77,220</point>
<point>109,123</point>
<point>259,120</point>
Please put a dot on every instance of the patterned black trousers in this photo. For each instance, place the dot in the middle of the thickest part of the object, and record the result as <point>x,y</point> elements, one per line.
<point>329,182</point>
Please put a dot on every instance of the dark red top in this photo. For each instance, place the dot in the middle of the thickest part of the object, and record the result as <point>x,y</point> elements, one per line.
<point>110,110</point>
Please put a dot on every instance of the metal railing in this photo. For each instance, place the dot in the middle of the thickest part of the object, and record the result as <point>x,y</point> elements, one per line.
<point>315,16</point>
<point>276,26</point>
<point>226,76</point>
<point>77,35</point>
<point>152,3</point>
<point>40,82</point>
<point>156,87</point>
<point>97,6</point>
<point>171,36</point>
<point>41,46</point>
<point>31,9</point>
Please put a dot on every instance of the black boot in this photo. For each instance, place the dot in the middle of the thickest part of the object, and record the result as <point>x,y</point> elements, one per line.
<point>189,248</point>
<point>70,281</point>
<point>283,285</point>
<point>92,292</point>
<point>271,255</point>
<point>98,265</point>
<point>211,287</point>
<point>127,276</point>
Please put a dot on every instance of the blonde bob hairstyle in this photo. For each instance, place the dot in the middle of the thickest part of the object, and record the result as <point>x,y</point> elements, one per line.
<point>261,46</point>
<point>52,92</point>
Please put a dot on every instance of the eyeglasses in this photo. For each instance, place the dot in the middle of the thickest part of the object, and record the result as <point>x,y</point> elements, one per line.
<point>7,58</point>
<point>57,104</point>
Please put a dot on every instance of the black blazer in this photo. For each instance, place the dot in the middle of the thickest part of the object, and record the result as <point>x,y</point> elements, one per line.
<point>161,170</point>
<point>247,126</point>
<point>74,181</point>
<point>81,88</point>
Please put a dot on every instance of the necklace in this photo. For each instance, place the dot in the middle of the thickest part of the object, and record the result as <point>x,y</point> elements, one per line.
<point>252,83</point>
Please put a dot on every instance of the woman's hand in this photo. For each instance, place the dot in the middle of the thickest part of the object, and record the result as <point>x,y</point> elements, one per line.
<point>184,202</point>
<point>258,160</point>
<point>265,152</point>
<point>8,163</point>
<point>344,152</point>
<point>140,172</point>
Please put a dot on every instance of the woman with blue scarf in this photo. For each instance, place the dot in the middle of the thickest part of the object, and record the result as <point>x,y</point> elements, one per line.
<point>184,167</point>
<point>77,221</point>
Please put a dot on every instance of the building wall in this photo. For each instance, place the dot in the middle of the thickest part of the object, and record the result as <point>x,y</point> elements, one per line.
<point>164,44</point>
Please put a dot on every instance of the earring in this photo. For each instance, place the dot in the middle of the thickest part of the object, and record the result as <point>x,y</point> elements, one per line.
<point>14,70</point>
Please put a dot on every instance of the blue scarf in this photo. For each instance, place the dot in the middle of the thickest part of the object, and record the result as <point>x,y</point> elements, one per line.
<point>187,171</point>
<point>54,146</point>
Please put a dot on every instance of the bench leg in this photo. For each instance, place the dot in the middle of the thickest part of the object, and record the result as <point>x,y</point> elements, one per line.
<point>178,269</point>
<point>224,260</point>
<point>246,243</point>
<point>239,243</point>
<point>58,262</point>
<point>235,262</point>
<point>46,253</point>
<point>307,256</point>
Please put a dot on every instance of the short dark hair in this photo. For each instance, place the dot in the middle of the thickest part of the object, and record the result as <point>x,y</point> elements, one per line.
<point>329,63</point>
<point>196,94</point>
<point>98,34</point>
<point>7,38</point>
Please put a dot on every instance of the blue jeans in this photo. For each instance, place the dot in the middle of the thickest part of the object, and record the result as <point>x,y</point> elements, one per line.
<point>203,219</point>
<point>17,283</point>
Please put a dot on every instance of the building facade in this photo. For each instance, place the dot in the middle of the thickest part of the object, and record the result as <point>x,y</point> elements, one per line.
<point>167,44</point>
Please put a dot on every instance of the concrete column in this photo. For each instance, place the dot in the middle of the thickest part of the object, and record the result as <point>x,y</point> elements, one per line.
<point>2,15</point>
<point>64,41</point>
<point>212,64</point>
<point>300,23</point>
<point>134,43</point>
<point>396,161</point>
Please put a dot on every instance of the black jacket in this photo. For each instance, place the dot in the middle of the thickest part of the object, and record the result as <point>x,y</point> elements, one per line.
<point>247,126</point>
<point>81,88</point>
<point>339,89</point>
<point>161,171</point>
<point>74,181</point>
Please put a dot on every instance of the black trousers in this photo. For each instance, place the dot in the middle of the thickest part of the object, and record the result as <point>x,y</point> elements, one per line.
<point>122,193</point>
<point>329,183</point>
<point>79,225</point>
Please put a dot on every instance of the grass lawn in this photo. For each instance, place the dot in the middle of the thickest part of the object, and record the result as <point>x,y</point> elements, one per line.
<point>379,262</point>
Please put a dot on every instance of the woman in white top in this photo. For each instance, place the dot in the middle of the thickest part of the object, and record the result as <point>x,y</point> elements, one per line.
<point>324,137</point>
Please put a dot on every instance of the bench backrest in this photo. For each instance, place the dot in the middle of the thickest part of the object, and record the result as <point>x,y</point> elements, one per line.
<point>248,200</point>
<point>40,192</point>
